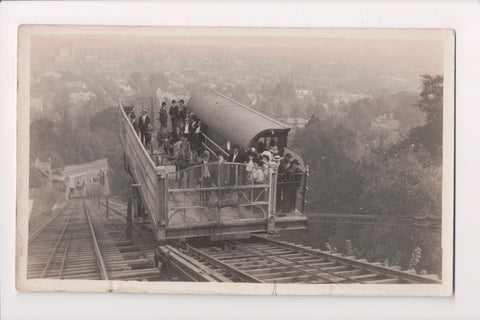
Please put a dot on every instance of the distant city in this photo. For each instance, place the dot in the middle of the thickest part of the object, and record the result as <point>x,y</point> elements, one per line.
<point>290,85</point>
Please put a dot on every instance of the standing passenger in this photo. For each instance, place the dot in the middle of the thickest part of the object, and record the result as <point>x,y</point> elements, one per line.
<point>257,173</point>
<point>148,136</point>
<point>223,171</point>
<point>238,175</point>
<point>205,176</point>
<point>134,122</point>
<point>183,157</point>
<point>198,139</point>
<point>163,117</point>
<point>143,124</point>
<point>294,178</point>
<point>284,163</point>
<point>173,112</point>
<point>250,166</point>
<point>182,113</point>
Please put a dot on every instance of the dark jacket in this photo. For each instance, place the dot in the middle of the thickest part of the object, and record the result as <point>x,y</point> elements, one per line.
<point>173,112</point>
<point>240,158</point>
<point>182,113</point>
<point>163,116</point>
<point>143,124</point>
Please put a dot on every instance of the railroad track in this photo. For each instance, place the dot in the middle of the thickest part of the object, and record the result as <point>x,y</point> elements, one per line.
<point>81,244</point>
<point>262,259</point>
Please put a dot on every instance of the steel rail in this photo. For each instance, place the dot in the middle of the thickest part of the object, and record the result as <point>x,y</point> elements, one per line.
<point>66,250</point>
<point>419,223</point>
<point>124,215</point>
<point>200,273</point>
<point>100,262</point>
<point>46,222</point>
<point>52,254</point>
<point>367,266</point>
<point>312,273</point>
<point>232,270</point>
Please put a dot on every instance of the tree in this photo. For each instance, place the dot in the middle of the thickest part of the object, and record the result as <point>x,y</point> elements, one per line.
<point>285,90</point>
<point>335,180</point>
<point>428,136</point>
<point>43,137</point>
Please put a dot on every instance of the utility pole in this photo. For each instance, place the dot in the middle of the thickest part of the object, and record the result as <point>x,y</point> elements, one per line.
<point>50,173</point>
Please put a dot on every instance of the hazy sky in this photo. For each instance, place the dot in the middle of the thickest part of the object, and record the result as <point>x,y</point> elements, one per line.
<point>403,60</point>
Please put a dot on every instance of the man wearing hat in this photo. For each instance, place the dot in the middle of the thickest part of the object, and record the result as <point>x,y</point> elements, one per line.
<point>173,112</point>
<point>238,155</point>
<point>294,177</point>
<point>143,124</point>
<point>163,117</point>
<point>284,163</point>
<point>294,168</point>
<point>182,113</point>
<point>204,175</point>
<point>238,175</point>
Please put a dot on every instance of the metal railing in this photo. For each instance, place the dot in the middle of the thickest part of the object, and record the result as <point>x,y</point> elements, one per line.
<point>215,192</point>
<point>291,191</point>
<point>142,167</point>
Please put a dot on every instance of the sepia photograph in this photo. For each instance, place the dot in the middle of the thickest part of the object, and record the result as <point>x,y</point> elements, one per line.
<point>235,160</point>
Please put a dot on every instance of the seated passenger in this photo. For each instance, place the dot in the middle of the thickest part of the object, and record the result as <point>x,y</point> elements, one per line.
<point>162,138</point>
<point>175,136</point>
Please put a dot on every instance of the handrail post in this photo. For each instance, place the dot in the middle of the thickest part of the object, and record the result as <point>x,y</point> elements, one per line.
<point>162,192</point>
<point>129,219</point>
<point>304,188</point>
<point>272,198</point>
<point>50,173</point>
<point>106,204</point>
<point>218,191</point>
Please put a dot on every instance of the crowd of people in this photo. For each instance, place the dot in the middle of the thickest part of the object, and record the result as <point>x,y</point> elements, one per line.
<point>183,143</point>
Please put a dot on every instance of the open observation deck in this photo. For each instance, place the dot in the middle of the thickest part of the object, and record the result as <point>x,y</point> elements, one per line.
<point>221,203</point>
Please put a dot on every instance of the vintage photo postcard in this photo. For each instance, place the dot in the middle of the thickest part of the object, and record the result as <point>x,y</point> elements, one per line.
<point>235,160</point>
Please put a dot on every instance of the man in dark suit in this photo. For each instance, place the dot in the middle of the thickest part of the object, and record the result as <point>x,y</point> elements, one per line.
<point>173,112</point>
<point>163,117</point>
<point>238,155</point>
<point>182,113</point>
<point>238,174</point>
<point>143,123</point>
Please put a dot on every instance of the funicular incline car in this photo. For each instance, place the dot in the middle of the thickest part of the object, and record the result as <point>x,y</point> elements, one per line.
<point>214,198</point>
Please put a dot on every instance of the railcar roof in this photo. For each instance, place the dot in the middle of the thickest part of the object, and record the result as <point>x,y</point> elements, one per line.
<point>233,120</point>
